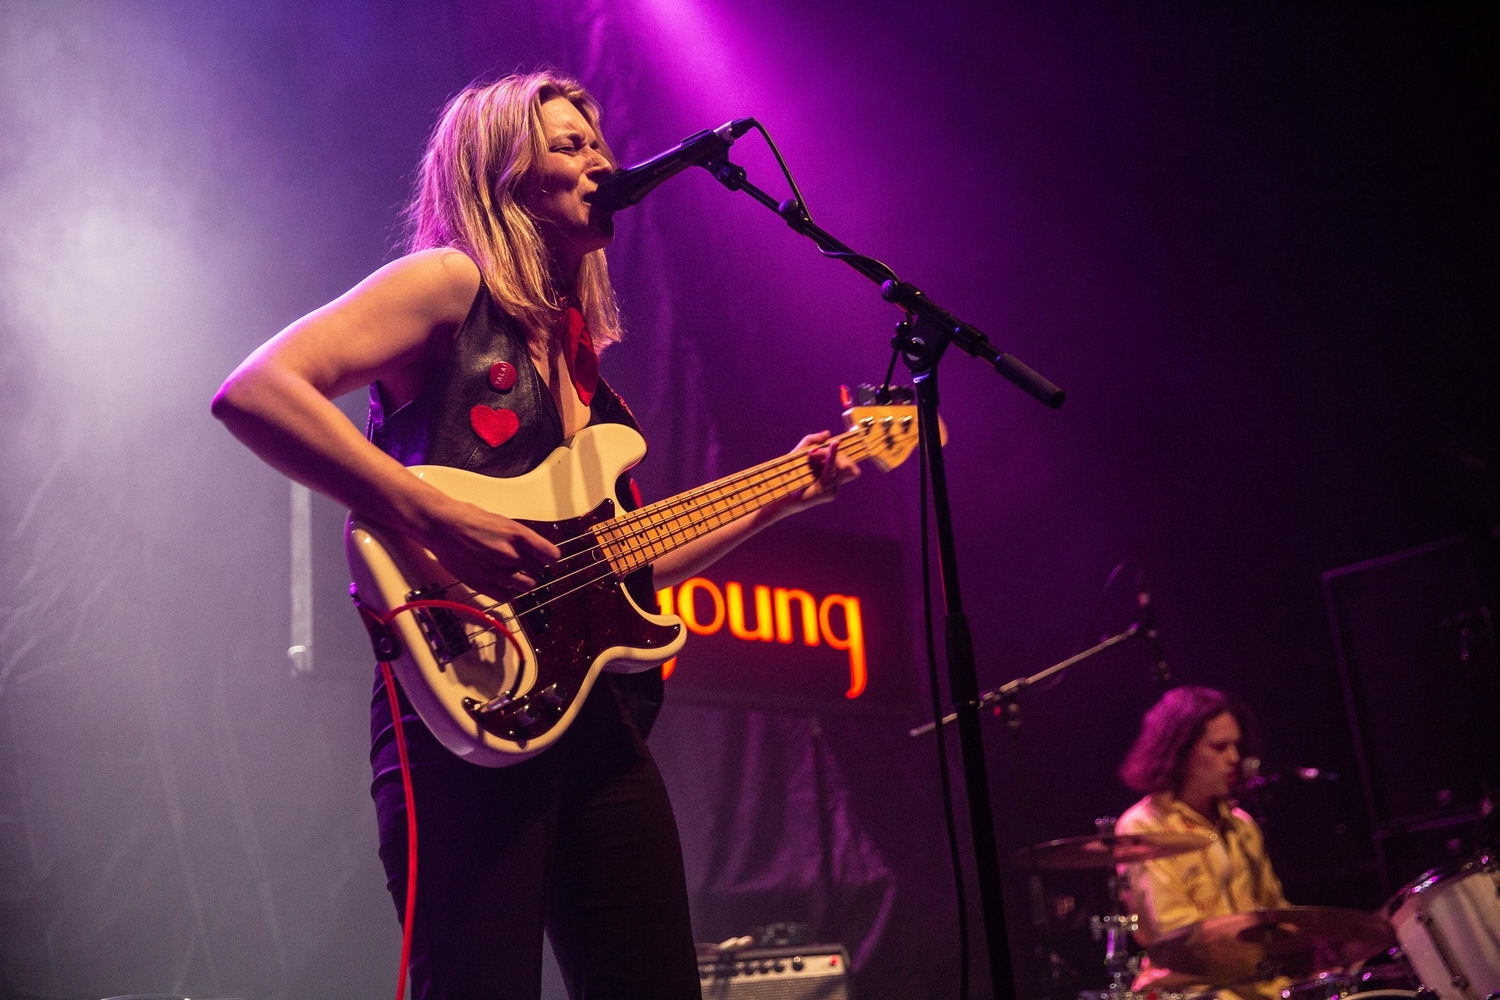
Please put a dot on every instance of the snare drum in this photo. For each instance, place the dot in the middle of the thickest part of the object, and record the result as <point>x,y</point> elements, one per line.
<point>1448,923</point>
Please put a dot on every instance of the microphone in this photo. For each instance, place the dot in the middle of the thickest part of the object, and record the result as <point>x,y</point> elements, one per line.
<point>1161,671</point>
<point>1250,773</point>
<point>629,185</point>
<point>1251,777</point>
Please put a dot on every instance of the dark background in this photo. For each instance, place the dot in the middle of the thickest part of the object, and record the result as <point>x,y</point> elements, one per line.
<point>1255,244</point>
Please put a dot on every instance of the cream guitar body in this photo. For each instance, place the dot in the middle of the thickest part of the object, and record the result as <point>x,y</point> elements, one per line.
<point>497,701</point>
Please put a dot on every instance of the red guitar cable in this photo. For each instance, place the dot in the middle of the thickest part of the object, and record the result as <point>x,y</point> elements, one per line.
<point>372,621</point>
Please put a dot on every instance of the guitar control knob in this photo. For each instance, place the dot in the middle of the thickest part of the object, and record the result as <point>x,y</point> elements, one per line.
<point>553,694</point>
<point>523,717</point>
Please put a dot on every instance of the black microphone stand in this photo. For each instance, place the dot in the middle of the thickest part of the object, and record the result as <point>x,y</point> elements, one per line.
<point>922,340</point>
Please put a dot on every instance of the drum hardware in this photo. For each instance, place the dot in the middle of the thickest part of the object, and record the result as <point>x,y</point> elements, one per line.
<point>1301,941</point>
<point>1106,850</point>
<point>1295,941</point>
<point>1119,925</point>
<point>1114,930</point>
<point>1323,986</point>
<point>1455,971</point>
<point>1338,985</point>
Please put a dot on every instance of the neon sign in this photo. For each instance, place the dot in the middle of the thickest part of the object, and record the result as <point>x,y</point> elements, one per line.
<point>836,620</point>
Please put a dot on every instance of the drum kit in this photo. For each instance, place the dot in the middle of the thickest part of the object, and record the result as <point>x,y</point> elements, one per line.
<point>1436,939</point>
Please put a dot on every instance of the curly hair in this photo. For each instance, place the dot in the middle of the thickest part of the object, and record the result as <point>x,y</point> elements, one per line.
<point>1157,761</point>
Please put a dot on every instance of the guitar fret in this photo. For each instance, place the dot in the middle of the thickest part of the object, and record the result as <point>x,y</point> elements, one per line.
<point>513,728</point>
<point>642,536</point>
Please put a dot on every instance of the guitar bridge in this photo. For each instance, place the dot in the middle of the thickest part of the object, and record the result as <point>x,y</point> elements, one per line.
<point>442,628</point>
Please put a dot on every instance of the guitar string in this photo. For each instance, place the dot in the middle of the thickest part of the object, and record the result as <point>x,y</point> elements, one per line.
<point>738,505</point>
<point>605,575</point>
<point>634,517</point>
<point>735,506</point>
<point>629,537</point>
<point>637,524</point>
<point>739,480</point>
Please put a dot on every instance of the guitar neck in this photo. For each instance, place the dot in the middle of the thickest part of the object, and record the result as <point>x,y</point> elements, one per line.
<point>642,536</point>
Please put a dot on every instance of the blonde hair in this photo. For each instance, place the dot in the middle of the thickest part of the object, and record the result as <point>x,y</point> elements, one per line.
<point>478,161</point>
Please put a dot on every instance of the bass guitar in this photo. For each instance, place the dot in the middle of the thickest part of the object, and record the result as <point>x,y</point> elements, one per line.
<point>499,681</point>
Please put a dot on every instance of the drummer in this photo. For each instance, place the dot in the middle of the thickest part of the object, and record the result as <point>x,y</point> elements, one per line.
<point>1187,762</point>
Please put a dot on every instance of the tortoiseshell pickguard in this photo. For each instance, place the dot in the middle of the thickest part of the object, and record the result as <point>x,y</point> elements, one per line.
<point>569,624</point>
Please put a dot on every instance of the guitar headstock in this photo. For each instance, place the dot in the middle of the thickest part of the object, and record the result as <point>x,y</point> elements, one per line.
<point>888,432</point>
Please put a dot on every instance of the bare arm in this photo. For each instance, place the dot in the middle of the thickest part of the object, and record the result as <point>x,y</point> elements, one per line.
<point>832,469</point>
<point>393,327</point>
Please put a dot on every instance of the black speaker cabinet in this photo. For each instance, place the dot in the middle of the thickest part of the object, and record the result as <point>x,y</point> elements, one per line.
<point>806,972</point>
<point>1416,654</point>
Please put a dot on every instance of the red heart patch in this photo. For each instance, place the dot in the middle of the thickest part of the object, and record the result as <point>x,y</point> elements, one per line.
<point>494,427</point>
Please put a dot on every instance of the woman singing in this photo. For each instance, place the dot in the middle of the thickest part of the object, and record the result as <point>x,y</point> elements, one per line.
<point>502,300</point>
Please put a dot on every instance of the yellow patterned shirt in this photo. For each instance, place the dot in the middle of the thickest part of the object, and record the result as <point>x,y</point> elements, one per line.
<point>1231,875</point>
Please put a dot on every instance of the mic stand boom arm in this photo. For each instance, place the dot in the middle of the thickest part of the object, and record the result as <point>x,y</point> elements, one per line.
<point>922,342</point>
<point>1006,695</point>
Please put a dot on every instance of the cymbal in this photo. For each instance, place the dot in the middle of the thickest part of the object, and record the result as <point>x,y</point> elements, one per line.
<point>1297,941</point>
<point>1108,850</point>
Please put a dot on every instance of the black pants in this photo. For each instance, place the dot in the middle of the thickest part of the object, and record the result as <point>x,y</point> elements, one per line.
<point>580,841</point>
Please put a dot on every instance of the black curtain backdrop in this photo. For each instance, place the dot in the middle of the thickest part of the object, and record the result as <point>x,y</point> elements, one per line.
<point>1255,244</point>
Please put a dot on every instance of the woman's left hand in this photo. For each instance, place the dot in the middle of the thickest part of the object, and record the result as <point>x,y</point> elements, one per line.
<point>831,468</point>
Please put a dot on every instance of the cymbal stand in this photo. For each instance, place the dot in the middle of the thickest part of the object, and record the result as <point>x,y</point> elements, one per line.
<point>1116,928</point>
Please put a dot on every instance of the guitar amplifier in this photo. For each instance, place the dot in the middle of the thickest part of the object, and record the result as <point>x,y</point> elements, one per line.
<point>799,972</point>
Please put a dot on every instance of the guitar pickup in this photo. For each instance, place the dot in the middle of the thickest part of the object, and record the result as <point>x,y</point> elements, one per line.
<point>442,628</point>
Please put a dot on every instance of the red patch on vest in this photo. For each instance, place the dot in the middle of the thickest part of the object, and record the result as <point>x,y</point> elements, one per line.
<point>494,427</point>
<point>502,376</point>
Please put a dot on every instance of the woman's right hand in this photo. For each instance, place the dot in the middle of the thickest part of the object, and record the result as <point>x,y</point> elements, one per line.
<point>488,552</point>
<point>394,327</point>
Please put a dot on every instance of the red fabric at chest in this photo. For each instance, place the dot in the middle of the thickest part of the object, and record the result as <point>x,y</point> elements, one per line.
<point>578,348</point>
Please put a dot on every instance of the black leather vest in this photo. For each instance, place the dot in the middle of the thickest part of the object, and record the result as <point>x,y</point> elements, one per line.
<point>434,429</point>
